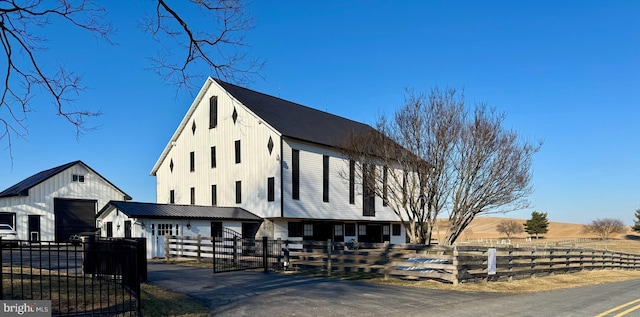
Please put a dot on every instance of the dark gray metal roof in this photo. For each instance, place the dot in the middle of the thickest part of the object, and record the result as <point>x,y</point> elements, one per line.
<point>295,120</point>
<point>22,188</point>
<point>152,210</point>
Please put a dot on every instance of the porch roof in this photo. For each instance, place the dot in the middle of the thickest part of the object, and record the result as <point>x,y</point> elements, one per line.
<point>172,211</point>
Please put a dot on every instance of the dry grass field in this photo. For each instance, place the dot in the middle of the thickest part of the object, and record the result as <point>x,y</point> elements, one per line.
<point>483,230</point>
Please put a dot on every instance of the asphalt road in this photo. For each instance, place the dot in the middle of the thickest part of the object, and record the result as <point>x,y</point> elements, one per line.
<point>271,294</point>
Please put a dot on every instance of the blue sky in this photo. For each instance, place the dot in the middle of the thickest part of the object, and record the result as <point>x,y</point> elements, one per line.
<point>567,73</point>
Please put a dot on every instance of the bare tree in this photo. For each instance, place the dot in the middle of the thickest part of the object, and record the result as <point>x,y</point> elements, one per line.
<point>510,227</point>
<point>214,47</point>
<point>460,161</point>
<point>605,227</point>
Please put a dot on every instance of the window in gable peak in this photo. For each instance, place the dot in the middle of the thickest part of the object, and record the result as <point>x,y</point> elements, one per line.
<point>171,165</point>
<point>193,127</point>
<point>234,115</point>
<point>270,145</point>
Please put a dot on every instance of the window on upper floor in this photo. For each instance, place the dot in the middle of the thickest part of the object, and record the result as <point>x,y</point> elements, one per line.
<point>385,188</point>
<point>271,189</point>
<point>238,192</point>
<point>352,182</point>
<point>172,196</point>
<point>193,195</point>
<point>368,193</point>
<point>237,151</point>
<point>295,174</point>
<point>192,161</point>
<point>325,178</point>
<point>77,178</point>
<point>213,112</point>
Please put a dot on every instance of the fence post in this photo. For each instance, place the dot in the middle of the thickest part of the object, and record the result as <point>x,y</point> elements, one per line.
<point>166,248</point>
<point>456,271</point>
<point>510,264</point>
<point>199,245</point>
<point>236,240</point>
<point>533,263</point>
<point>265,254</point>
<point>278,250</point>
<point>329,247</point>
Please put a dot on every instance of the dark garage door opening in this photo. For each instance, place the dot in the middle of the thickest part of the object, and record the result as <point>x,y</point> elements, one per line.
<point>73,216</point>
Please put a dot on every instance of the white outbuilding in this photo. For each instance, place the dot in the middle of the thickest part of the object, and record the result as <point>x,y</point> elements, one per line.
<point>152,221</point>
<point>53,204</point>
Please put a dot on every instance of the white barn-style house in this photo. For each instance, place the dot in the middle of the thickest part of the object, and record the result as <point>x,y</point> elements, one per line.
<point>273,158</point>
<point>54,204</point>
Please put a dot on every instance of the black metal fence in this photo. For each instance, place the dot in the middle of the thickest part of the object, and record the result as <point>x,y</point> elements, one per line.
<point>97,277</point>
<point>234,253</point>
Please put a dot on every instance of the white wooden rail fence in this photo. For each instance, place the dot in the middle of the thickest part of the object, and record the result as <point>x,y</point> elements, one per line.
<point>457,264</point>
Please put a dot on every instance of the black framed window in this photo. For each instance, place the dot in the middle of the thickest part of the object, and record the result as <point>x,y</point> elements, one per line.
<point>325,178</point>
<point>349,229</point>
<point>295,174</point>
<point>213,112</point>
<point>271,188</point>
<point>237,151</point>
<point>395,229</point>
<point>352,182</point>
<point>214,195</point>
<point>295,229</point>
<point>216,229</point>
<point>238,192</point>
<point>192,161</point>
<point>172,196</point>
<point>368,194</point>
<point>193,195</point>
<point>385,188</point>
<point>213,157</point>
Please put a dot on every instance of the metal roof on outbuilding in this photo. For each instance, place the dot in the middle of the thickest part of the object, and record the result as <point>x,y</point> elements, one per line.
<point>153,210</point>
<point>22,188</point>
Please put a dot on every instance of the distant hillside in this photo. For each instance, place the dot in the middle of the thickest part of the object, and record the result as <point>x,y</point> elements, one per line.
<point>485,228</point>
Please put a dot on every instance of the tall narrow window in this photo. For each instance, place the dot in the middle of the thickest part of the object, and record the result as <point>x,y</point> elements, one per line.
<point>295,174</point>
<point>325,178</point>
<point>404,187</point>
<point>213,157</point>
<point>237,151</point>
<point>172,196</point>
<point>352,182</point>
<point>385,175</point>
<point>238,192</point>
<point>214,195</point>
<point>192,161</point>
<point>193,195</point>
<point>213,112</point>
<point>271,189</point>
<point>368,196</point>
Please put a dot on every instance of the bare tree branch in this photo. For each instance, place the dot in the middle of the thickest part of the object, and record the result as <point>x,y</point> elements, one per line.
<point>223,52</point>
<point>460,162</point>
<point>218,44</point>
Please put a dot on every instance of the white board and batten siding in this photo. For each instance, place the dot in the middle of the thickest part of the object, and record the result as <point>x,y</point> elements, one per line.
<point>311,204</point>
<point>40,200</point>
<point>256,162</point>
